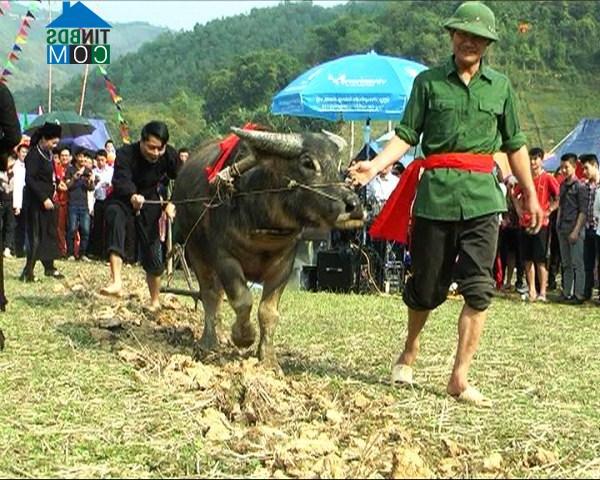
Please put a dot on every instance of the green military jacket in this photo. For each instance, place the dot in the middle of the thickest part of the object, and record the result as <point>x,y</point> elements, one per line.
<point>453,117</point>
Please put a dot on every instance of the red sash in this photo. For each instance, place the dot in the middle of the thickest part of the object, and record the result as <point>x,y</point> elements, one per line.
<point>226,146</point>
<point>393,221</point>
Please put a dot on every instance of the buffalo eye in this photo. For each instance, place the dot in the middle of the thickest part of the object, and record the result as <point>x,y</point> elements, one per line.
<point>308,163</point>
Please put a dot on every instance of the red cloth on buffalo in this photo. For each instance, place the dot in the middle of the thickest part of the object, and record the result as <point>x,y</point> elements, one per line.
<point>227,145</point>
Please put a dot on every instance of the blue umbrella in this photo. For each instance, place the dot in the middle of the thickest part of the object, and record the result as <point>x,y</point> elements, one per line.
<point>355,87</point>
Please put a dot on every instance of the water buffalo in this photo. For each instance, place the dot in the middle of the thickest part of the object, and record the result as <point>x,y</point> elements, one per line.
<point>284,183</point>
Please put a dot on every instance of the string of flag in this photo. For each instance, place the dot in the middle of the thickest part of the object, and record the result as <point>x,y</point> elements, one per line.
<point>116,99</point>
<point>4,7</point>
<point>21,38</point>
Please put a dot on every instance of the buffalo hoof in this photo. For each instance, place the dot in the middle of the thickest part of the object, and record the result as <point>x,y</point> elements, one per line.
<point>243,336</point>
<point>269,361</point>
<point>208,343</point>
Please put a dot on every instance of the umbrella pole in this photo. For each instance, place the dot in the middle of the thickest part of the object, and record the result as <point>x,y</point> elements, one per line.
<point>85,76</point>
<point>351,141</point>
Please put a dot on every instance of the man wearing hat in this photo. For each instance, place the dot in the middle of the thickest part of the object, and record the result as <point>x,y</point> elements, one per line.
<point>462,112</point>
<point>38,203</point>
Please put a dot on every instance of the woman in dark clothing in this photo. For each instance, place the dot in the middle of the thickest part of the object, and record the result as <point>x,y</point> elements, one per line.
<point>37,199</point>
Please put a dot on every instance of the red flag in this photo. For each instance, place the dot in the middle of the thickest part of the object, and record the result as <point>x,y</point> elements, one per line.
<point>13,56</point>
<point>26,22</point>
<point>23,31</point>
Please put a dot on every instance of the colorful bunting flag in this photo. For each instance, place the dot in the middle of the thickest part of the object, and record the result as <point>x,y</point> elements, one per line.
<point>13,56</point>
<point>21,40</point>
<point>5,4</point>
<point>29,14</point>
<point>25,122</point>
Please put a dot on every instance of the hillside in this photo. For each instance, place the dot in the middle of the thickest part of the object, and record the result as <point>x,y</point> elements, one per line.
<point>226,72</point>
<point>31,69</point>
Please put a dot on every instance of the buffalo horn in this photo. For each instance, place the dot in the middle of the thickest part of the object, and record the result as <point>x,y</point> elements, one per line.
<point>339,141</point>
<point>285,144</point>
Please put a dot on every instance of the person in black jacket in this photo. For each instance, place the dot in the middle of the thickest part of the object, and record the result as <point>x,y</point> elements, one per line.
<point>138,170</point>
<point>38,194</point>
<point>10,129</point>
<point>10,136</point>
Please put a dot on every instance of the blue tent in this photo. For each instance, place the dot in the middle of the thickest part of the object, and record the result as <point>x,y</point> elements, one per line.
<point>584,138</point>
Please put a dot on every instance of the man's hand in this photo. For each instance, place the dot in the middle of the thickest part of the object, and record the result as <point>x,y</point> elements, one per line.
<point>170,211</point>
<point>17,211</point>
<point>573,236</point>
<point>537,214</point>
<point>48,205</point>
<point>361,173</point>
<point>137,201</point>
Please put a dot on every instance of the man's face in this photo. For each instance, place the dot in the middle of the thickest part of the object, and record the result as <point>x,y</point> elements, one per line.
<point>567,169</point>
<point>468,48</point>
<point>100,161</point>
<point>88,162</point>
<point>183,157</point>
<point>79,159</point>
<point>536,165</point>
<point>65,157</point>
<point>152,148</point>
<point>49,144</point>
<point>590,171</point>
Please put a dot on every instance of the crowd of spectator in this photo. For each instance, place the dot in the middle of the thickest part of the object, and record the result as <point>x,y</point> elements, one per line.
<point>82,183</point>
<point>569,241</point>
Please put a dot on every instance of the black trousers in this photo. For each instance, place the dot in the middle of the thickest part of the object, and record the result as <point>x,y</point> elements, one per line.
<point>8,224</point>
<point>97,245</point>
<point>117,218</point>
<point>43,244</point>
<point>443,251</point>
<point>20,233</point>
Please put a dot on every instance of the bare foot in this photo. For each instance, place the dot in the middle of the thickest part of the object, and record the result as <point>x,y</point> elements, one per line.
<point>112,290</point>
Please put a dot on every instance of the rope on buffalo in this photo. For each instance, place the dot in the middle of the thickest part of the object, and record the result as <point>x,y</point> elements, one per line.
<point>219,196</point>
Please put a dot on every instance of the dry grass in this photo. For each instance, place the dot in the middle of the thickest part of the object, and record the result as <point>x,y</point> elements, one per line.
<point>94,388</point>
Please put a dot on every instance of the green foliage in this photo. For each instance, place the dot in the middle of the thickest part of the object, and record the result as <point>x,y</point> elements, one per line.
<point>227,71</point>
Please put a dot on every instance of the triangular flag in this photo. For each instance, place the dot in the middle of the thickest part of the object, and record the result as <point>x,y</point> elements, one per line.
<point>40,110</point>
<point>102,69</point>
<point>117,99</point>
<point>12,56</point>
<point>29,14</point>
<point>25,121</point>
<point>1,12</point>
<point>23,31</point>
<point>5,4</point>
<point>9,64</point>
<point>6,72</point>
<point>21,40</point>
<point>16,48</point>
<point>26,23</point>
<point>118,107</point>
<point>120,118</point>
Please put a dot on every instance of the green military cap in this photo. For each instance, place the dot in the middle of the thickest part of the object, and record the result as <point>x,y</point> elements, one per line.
<point>475,18</point>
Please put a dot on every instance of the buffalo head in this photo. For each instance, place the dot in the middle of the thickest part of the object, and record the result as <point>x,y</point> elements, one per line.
<point>308,163</point>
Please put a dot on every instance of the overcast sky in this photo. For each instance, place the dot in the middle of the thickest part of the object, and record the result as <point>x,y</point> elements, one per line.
<point>173,14</point>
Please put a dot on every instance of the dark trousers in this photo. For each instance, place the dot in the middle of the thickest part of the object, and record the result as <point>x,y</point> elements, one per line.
<point>41,232</point>
<point>8,223</point>
<point>116,233</point>
<point>591,253</point>
<point>97,244</point>
<point>79,221</point>
<point>445,250</point>
<point>21,234</point>
<point>510,244</point>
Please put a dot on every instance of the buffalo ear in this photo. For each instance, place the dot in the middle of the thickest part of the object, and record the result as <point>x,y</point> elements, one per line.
<point>284,144</point>
<point>340,143</point>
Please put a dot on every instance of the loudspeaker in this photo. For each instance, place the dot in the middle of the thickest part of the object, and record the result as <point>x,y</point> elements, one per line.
<point>336,270</point>
<point>308,278</point>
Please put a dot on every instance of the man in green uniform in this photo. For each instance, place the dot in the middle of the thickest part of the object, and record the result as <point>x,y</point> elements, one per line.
<point>465,112</point>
